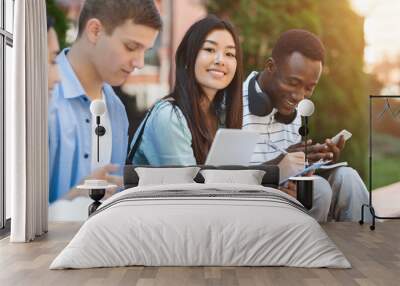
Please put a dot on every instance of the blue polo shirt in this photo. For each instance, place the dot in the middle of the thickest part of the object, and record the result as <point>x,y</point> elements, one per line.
<point>70,142</point>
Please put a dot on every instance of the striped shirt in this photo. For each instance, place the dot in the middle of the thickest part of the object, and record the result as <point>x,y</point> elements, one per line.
<point>282,135</point>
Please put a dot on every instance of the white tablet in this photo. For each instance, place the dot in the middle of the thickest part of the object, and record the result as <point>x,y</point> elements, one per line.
<point>232,147</point>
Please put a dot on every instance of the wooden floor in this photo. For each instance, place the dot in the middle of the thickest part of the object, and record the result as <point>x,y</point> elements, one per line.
<point>374,255</point>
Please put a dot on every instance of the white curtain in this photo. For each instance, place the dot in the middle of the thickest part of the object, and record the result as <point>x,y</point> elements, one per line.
<point>26,121</point>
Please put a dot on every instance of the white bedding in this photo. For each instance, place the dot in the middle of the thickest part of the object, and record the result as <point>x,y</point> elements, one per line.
<point>187,230</point>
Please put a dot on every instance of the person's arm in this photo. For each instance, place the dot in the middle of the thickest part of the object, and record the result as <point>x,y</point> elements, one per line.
<point>102,173</point>
<point>335,149</point>
<point>290,189</point>
<point>274,161</point>
<point>315,152</point>
<point>167,138</point>
<point>290,165</point>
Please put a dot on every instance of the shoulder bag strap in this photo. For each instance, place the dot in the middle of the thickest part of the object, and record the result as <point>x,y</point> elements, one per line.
<point>135,147</point>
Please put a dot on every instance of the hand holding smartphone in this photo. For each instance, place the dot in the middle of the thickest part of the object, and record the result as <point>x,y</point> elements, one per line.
<point>346,135</point>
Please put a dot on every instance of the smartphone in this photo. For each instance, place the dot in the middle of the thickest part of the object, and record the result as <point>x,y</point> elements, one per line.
<point>346,135</point>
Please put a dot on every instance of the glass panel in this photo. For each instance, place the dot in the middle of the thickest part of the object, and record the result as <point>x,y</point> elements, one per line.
<point>1,14</point>
<point>2,204</point>
<point>9,14</point>
<point>8,89</point>
<point>385,141</point>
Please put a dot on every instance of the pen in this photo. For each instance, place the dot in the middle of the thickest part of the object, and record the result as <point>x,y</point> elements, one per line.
<point>277,148</point>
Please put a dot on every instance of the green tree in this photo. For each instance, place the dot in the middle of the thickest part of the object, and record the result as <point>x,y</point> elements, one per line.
<point>61,22</point>
<point>340,98</point>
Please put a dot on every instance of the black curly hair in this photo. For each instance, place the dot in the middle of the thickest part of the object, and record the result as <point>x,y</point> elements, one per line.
<point>298,40</point>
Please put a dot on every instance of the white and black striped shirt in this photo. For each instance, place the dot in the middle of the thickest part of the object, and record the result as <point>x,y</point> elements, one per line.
<point>270,130</point>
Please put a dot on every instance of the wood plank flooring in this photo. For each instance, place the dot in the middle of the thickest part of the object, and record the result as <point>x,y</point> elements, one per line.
<point>374,255</point>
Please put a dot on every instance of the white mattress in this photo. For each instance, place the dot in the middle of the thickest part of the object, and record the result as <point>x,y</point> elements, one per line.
<point>187,230</point>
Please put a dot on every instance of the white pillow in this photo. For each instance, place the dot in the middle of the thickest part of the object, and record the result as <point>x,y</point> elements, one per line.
<point>166,176</point>
<point>248,177</point>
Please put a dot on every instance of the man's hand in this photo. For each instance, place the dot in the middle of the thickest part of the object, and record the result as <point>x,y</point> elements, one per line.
<point>102,173</point>
<point>115,180</point>
<point>315,152</point>
<point>335,149</point>
<point>291,164</point>
<point>290,189</point>
<point>299,147</point>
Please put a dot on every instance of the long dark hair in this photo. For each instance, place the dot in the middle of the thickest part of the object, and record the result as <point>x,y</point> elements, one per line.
<point>188,93</point>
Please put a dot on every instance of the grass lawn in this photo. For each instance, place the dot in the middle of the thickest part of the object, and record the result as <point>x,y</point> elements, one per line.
<point>385,171</point>
<point>385,160</point>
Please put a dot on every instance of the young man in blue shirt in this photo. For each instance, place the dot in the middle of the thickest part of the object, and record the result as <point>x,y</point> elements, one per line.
<point>112,39</point>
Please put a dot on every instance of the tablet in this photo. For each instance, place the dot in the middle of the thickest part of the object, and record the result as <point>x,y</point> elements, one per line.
<point>232,147</point>
<point>314,166</point>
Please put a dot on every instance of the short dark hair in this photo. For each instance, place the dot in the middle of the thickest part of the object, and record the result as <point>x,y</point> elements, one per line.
<point>113,13</point>
<point>50,23</point>
<point>298,40</point>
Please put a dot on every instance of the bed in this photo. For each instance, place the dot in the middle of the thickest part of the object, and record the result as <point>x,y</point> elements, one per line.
<point>201,224</point>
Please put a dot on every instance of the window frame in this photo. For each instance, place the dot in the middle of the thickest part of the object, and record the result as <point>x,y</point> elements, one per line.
<point>6,39</point>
